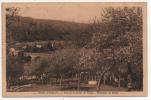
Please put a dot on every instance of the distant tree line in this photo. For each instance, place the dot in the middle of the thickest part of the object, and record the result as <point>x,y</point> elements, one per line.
<point>24,29</point>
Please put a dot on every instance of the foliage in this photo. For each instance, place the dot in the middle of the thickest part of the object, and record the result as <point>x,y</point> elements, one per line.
<point>107,45</point>
<point>62,62</point>
<point>14,67</point>
<point>24,29</point>
<point>121,35</point>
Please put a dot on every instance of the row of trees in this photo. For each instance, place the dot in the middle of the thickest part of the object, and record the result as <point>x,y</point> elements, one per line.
<point>120,30</point>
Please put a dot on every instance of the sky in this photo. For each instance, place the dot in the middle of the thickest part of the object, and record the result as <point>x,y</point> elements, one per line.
<point>77,12</point>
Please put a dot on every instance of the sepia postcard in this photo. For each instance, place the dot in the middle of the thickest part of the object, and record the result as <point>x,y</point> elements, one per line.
<point>74,49</point>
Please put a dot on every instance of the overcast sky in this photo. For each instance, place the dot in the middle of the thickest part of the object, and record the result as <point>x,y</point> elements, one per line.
<point>77,12</point>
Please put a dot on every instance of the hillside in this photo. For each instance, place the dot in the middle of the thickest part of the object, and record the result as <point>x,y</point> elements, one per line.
<point>28,29</point>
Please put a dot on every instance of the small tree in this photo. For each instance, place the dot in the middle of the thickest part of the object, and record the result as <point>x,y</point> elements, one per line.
<point>11,17</point>
<point>62,63</point>
<point>65,62</point>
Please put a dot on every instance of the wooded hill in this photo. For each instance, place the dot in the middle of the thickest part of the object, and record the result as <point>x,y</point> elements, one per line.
<point>25,29</point>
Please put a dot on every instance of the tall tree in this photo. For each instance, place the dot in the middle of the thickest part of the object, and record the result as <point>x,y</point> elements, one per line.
<point>121,34</point>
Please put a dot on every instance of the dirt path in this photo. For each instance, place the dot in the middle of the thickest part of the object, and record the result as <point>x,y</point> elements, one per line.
<point>38,88</point>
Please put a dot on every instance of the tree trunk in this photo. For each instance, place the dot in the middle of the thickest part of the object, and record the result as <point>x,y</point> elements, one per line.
<point>95,77</point>
<point>89,76</point>
<point>104,80</point>
<point>99,84</point>
<point>57,78</point>
<point>60,81</point>
<point>100,78</point>
<point>78,81</point>
<point>99,81</point>
<point>72,77</point>
<point>119,84</point>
